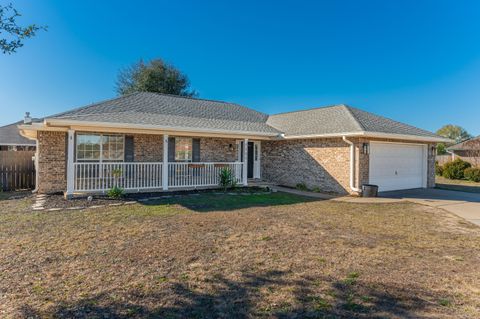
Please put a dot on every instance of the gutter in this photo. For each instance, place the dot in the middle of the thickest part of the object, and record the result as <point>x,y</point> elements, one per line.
<point>352,165</point>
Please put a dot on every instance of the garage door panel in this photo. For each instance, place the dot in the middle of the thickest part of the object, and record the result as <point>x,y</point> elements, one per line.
<point>396,166</point>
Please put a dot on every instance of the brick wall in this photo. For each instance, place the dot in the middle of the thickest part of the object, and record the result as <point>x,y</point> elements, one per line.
<point>52,161</point>
<point>218,150</point>
<point>148,148</point>
<point>322,163</point>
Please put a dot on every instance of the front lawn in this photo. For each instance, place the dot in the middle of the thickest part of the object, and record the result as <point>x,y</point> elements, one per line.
<point>232,256</point>
<point>457,184</point>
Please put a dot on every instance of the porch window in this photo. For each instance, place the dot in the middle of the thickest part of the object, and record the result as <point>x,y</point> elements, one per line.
<point>183,149</point>
<point>99,147</point>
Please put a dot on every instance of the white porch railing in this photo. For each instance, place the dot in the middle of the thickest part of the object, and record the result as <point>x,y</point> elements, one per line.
<point>137,176</point>
<point>200,174</point>
<point>94,177</point>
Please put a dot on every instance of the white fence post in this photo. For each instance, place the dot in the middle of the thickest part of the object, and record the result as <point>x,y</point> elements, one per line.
<point>70,166</point>
<point>245,162</point>
<point>165,163</point>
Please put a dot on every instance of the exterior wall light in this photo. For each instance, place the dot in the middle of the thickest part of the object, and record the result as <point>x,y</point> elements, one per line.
<point>365,148</point>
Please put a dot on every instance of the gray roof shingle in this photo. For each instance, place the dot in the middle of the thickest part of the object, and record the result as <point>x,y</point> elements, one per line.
<point>339,119</point>
<point>9,135</point>
<point>168,110</point>
<point>165,110</point>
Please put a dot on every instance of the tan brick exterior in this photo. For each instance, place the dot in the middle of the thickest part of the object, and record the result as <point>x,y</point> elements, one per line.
<point>148,148</point>
<point>52,152</point>
<point>52,161</point>
<point>323,163</point>
<point>218,150</point>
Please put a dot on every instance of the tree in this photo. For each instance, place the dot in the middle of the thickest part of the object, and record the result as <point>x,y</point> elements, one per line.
<point>154,76</point>
<point>454,132</point>
<point>441,149</point>
<point>15,34</point>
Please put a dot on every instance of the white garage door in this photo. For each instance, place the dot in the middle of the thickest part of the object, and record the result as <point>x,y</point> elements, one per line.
<point>397,166</point>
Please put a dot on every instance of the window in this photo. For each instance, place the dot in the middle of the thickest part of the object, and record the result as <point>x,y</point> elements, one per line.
<point>183,149</point>
<point>97,147</point>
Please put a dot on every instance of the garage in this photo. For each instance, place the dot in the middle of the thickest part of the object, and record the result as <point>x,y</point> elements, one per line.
<point>395,166</point>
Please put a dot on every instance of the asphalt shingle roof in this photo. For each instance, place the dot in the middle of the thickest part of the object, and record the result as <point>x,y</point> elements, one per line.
<point>9,135</point>
<point>339,119</point>
<point>470,144</point>
<point>168,110</point>
<point>174,111</point>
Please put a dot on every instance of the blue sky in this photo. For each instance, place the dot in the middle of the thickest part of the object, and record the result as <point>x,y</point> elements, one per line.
<point>413,61</point>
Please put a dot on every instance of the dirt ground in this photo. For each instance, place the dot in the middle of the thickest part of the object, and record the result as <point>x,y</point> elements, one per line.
<point>259,256</point>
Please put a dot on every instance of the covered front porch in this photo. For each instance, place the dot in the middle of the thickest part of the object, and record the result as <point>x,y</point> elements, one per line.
<point>155,163</point>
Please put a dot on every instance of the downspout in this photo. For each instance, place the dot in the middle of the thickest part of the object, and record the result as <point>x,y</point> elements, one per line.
<point>352,165</point>
<point>451,153</point>
<point>36,166</point>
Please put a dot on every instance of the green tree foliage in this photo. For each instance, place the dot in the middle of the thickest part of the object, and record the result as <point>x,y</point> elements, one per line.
<point>154,76</point>
<point>11,34</point>
<point>441,149</point>
<point>454,132</point>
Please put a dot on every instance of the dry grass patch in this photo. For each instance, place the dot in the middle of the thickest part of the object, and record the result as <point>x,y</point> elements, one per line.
<point>206,256</point>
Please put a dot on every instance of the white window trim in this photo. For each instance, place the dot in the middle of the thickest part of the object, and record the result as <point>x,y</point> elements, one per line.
<point>101,159</point>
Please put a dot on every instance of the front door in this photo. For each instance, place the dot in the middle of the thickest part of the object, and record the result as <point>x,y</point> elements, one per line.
<point>250,160</point>
<point>253,158</point>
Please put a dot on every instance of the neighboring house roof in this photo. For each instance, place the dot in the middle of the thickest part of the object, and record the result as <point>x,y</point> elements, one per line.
<point>172,111</point>
<point>169,112</point>
<point>9,135</point>
<point>468,145</point>
<point>340,119</point>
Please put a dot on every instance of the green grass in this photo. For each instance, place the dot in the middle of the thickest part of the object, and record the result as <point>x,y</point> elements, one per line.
<point>227,202</point>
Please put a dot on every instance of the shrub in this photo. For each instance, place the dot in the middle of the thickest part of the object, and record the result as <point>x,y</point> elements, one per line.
<point>455,169</point>
<point>316,189</point>
<point>472,174</point>
<point>302,187</point>
<point>115,192</point>
<point>438,169</point>
<point>227,178</point>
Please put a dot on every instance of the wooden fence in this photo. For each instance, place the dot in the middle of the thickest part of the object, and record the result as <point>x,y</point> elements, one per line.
<point>17,170</point>
<point>442,159</point>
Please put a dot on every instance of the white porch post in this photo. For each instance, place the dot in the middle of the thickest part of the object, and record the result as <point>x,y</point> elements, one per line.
<point>245,162</point>
<point>165,163</point>
<point>70,166</point>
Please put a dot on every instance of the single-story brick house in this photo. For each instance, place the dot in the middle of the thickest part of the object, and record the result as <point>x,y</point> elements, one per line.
<point>468,151</point>
<point>150,141</point>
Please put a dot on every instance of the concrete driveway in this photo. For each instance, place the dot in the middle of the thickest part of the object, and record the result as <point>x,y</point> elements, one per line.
<point>465,205</point>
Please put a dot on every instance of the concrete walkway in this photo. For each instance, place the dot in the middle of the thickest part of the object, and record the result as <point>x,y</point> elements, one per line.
<point>465,205</point>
